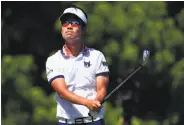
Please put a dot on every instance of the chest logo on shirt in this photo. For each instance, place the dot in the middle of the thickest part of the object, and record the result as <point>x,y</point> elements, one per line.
<point>87,64</point>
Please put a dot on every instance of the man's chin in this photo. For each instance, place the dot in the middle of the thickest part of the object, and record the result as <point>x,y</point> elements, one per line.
<point>69,38</point>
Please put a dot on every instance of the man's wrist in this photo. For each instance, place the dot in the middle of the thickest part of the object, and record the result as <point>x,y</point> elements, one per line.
<point>84,102</point>
<point>98,99</point>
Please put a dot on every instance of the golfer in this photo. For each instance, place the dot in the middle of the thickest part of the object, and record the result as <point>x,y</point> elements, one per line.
<point>77,73</point>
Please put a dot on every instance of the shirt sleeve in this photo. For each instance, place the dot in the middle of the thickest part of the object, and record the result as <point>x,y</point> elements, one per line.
<point>102,67</point>
<point>53,71</point>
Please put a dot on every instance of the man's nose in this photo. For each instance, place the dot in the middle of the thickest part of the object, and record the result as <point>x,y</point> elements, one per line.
<point>70,27</point>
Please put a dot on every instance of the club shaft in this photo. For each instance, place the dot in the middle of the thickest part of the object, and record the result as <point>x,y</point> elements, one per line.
<point>107,97</point>
<point>120,84</point>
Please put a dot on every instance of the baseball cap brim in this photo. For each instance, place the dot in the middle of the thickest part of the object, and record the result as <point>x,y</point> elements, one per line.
<point>69,16</point>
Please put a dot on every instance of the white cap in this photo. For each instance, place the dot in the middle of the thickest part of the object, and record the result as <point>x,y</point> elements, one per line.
<point>76,12</point>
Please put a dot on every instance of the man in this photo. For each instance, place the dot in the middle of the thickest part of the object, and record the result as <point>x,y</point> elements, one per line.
<point>78,74</point>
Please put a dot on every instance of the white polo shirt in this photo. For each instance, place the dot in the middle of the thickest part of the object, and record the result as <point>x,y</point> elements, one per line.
<point>79,74</point>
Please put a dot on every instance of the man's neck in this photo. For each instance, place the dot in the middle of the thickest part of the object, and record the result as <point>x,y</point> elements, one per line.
<point>75,48</point>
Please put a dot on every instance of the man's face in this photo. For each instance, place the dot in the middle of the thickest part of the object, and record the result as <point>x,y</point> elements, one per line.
<point>71,30</point>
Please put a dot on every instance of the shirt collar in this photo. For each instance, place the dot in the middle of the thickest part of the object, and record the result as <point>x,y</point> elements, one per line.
<point>66,52</point>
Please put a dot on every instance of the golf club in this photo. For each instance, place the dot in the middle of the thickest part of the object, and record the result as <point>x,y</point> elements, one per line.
<point>145,59</point>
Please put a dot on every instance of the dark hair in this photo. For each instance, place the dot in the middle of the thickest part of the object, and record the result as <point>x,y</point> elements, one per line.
<point>74,6</point>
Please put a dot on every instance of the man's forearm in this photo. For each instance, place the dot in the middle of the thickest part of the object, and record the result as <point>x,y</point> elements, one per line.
<point>101,94</point>
<point>101,87</point>
<point>60,87</point>
<point>70,96</point>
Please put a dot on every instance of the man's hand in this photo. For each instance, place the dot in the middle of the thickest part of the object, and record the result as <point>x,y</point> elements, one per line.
<point>92,104</point>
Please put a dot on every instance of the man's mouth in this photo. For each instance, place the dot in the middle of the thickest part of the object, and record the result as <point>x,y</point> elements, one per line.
<point>69,32</point>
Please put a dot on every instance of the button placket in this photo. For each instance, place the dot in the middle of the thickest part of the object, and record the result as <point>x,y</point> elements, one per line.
<point>77,61</point>
<point>75,70</point>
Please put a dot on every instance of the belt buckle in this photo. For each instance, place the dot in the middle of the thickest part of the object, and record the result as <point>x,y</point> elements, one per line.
<point>79,120</point>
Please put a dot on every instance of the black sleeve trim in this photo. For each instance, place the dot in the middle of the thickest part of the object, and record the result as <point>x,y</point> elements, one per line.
<point>102,74</point>
<point>59,76</point>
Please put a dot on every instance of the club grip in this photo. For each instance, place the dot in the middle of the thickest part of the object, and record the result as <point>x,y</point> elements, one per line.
<point>102,101</point>
<point>89,114</point>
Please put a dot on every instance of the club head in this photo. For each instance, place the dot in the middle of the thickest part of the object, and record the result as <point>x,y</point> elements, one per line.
<point>145,58</point>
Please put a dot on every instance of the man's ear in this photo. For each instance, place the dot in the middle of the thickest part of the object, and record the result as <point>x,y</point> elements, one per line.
<point>84,29</point>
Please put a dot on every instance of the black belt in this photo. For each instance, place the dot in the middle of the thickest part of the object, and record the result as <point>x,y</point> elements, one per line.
<point>79,120</point>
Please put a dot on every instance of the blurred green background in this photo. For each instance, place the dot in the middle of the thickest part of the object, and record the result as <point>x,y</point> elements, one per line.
<point>30,32</point>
